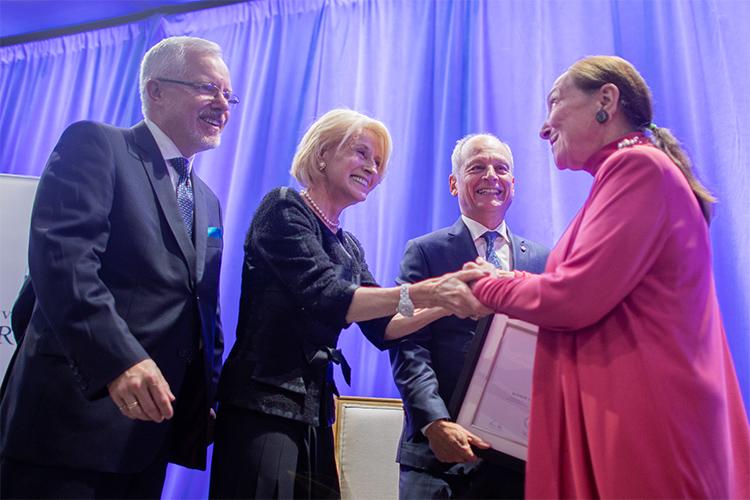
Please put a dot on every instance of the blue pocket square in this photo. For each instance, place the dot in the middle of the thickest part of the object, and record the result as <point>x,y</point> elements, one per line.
<point>214,232</point>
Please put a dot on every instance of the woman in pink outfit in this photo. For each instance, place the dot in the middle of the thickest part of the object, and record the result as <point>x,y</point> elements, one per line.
<point>635,394</point>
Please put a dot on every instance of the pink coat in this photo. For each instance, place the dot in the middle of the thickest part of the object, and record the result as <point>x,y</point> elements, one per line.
<point>635,393</point>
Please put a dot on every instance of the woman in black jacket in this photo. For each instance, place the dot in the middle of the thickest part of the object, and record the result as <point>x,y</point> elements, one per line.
<point>304,280</point>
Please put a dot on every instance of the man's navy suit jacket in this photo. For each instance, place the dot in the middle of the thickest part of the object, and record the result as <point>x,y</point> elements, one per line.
<point>427,364</point>
<point>117,280</point>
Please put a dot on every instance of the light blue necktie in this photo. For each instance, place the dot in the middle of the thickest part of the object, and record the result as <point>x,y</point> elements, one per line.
<point>491,256</point>
<point>184,193</point>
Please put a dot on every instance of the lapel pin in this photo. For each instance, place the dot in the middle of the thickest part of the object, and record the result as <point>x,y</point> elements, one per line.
<point>523,247</point>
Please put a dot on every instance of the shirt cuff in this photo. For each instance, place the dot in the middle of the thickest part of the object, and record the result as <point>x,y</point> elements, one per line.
<point>424,429</point>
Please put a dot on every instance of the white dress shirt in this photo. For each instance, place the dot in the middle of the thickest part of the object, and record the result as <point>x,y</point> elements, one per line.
<point>168,151</point>
<point>502,244</point>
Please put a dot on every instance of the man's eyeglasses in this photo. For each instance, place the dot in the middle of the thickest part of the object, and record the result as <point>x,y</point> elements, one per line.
<point>208,88</point>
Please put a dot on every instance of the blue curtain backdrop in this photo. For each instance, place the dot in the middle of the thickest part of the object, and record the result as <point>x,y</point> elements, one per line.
<point>432,71</point>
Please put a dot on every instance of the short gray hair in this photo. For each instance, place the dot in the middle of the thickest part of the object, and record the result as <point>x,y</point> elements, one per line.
<point>166,59</point>
<point>457,158</point>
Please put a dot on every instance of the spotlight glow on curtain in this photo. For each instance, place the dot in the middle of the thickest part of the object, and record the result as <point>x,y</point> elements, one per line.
<point>432,71</point>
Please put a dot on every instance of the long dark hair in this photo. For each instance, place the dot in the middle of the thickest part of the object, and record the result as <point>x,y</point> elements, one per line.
<point>590,73</point>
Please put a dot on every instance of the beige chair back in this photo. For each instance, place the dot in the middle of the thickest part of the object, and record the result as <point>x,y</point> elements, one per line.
<point>367,431</point>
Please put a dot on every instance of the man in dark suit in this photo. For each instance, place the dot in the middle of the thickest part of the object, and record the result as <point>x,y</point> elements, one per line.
<point>117,371</point>
<point>435,455</point>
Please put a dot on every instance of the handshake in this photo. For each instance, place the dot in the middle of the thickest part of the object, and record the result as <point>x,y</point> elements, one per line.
<point>452,292</point>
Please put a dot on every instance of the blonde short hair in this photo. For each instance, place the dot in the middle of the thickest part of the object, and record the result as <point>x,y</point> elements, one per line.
<point>333,130</point>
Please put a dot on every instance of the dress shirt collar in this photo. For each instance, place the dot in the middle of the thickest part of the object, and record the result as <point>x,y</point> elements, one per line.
<point>477,229</point>
<point>166,146</point>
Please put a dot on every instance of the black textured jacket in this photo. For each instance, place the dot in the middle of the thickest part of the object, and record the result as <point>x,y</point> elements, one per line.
<point>298,280</point>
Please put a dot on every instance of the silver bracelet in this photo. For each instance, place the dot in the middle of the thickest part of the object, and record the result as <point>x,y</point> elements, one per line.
<point>405,305</point>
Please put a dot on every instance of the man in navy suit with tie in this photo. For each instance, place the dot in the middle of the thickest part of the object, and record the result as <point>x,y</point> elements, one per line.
<point>435,455</point>
<point>117,371</point>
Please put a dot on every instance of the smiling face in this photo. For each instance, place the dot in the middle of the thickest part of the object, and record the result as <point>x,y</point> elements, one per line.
<point>484,180</point>
<point>192,119</point>
<point>570,127</point>
<point>352,170</point>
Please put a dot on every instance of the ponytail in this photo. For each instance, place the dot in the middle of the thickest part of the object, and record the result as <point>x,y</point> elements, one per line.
<point>664,140</point>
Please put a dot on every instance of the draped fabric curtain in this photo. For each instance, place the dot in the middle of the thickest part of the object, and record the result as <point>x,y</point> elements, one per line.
<point>433,71</point>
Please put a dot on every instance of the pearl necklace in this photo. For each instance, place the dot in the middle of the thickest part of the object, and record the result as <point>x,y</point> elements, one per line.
<point>626,143</point>
<point>318,211</point>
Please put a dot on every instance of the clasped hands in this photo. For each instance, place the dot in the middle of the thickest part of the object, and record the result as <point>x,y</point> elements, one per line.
<point>452,291</point>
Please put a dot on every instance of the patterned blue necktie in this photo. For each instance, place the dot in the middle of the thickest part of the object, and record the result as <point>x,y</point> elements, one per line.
<point>184,193</point>
<point>491,256</point>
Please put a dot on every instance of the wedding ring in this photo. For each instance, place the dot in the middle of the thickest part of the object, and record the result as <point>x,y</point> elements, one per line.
<point>132,405</point>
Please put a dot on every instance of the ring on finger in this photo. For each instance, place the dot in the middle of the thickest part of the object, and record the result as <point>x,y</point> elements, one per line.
<point>131,405</point>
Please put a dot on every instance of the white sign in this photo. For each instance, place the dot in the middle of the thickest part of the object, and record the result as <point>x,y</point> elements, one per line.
<point>16,199</point>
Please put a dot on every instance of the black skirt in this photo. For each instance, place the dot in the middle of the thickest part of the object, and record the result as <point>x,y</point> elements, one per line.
<point>264,456</point>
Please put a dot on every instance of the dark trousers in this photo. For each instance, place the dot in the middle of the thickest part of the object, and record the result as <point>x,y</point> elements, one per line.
<point>264,456</point>
<point>485,481</point>
<point>20,479</point>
